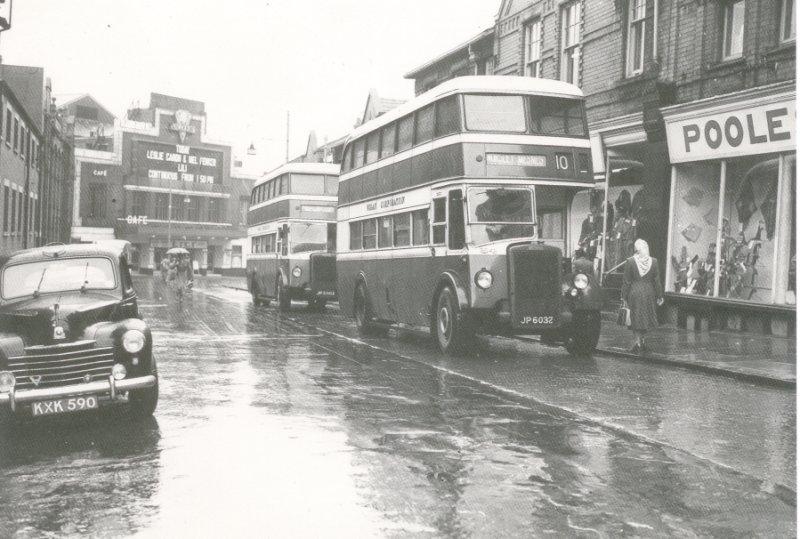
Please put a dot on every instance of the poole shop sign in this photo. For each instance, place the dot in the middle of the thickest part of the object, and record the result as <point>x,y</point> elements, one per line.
<point>721,130</point>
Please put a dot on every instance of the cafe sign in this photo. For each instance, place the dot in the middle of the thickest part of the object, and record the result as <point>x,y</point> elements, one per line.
<point>752,129</point>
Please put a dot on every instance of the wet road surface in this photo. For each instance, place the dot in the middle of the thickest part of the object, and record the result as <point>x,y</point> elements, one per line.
<point>292,424</point>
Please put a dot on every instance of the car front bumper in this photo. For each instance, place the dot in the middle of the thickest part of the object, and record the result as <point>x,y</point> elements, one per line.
<point>111,388</point>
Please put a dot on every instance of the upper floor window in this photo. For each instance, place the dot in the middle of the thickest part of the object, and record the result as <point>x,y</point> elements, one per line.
<point>637,27</point>
<point>787,29</point>
<point>16,134</point>
<point>571,42</point>
<point>533,48</point>
<point>733,29</point>
<point>8,126</point>
<point>213,211</point>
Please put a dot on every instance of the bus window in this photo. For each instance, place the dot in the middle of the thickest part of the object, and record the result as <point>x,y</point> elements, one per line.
<point>308,237</point>
<point>384,232</point>
<point>368,234</point>
<point>271,193</point>
<point>424,125</point>
<point>500,213</point>
<point>346,164</point>
<point>331,185</point>
<point>269,243</point>
<point>439,220</point>
<point>285,184</point>
<point>419,221</point>
<point>448,116</point>
<point>402,230</point>
<point>455,200</point>
<point>331,237</point>
<point>355,236</point>
<point>551,211</point>
<point>504,113</point>
<point>405,133</point>
<point>387,141</point>
<point>373,143</point>
<point>358,153</point>
<point>308,184</point>
<point>557,116</point>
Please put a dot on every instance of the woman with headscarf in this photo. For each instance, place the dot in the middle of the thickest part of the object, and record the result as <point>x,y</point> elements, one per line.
<point>642,291</point>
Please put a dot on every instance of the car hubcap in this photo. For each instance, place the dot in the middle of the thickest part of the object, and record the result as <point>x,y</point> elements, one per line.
<point>444,322</point>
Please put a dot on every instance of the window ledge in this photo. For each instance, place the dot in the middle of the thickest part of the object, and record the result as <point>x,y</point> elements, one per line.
<point>633,79</point>
<point>787,47</point>
<point>731,63</point>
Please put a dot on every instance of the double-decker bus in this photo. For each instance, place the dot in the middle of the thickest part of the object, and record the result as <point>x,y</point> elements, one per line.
<point>292,235</point>
<point>454,211</point>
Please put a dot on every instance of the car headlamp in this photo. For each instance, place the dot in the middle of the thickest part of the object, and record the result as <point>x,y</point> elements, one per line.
<point>297,272</point>
<point>133,341</point>
<point>484,279</point>
<point>7,381</point>
<point>581,281</point>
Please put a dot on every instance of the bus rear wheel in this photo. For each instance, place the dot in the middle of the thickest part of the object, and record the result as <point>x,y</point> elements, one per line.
<point>284,300</point>
<point>582,336</point>
<point>454,336</point>
<point>363,313</point>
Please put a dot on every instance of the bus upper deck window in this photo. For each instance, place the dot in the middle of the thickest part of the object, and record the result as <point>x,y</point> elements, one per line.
<point>557,116</point>
<point>503,113</point>
<point>373,143</point>
<point>387,140</point>
<point>448,116</point>
<point>405,133</point>
<point>358,153</point>
<point>425,119</point>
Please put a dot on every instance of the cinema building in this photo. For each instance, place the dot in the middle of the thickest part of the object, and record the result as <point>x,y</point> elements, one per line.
<point>159,181</point>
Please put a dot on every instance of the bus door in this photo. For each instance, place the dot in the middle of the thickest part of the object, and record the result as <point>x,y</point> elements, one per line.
<point>282,255</point>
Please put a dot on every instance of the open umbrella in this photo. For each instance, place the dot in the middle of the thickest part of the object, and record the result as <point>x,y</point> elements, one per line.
<point>177,251</point>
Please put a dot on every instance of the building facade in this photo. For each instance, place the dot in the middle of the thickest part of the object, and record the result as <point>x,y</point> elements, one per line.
<point>53,220</point>
<point>658,74</point>
<point>156,180</point>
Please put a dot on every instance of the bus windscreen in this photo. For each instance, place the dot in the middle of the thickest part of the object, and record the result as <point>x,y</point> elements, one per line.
<point>550,116</point>
<point>499,213</point>
<point>309,237</point>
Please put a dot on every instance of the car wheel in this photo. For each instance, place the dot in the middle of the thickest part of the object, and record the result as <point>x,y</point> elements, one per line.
<point>583,334</point>
<point>453,333</point>
<point>284,301</point>
<point>363,313</point>
<point>144,401</point>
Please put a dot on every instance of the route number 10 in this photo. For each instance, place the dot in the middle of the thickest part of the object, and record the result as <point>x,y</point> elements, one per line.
<point>562,161</point>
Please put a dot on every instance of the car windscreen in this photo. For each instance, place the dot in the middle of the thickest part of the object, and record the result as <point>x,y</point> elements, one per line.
<point>58,275</point>
<point>495,113</point>
<point>308,237</point>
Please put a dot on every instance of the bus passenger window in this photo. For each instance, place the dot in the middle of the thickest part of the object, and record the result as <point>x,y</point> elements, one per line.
<point>331,185</point>
<point>448,116</point>
<point>373,141</point>
<point>502,113</point>
<point>385,232</point>
<point>456,219</point>
<point>424,125</point>
<point>387,141</point>
<point>368,234</point>
<point>358,153</point>
<point>419,220</point>
<point>285,184</point>
<point>405,133</point>
<point>439,221</point>
<point>355,236</point>
<point>557,116</point>
<point>346,164</point>
<point>402,230</point>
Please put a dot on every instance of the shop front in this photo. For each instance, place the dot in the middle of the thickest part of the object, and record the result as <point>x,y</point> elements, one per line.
<point>731,237</point>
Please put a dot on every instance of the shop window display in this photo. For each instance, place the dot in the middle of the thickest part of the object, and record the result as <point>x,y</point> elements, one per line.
<point>724,246</point>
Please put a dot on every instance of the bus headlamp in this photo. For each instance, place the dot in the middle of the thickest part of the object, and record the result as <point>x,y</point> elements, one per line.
<point>297,272</point>
<point>484,279</point>
<point>7,381</point>
<point>133,341</point>
<point>581,281</point>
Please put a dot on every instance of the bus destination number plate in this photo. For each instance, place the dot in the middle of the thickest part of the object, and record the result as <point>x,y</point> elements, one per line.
<point>516,160</point>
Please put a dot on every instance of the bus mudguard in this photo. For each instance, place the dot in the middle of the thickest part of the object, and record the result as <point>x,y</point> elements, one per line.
<point>451,279</point>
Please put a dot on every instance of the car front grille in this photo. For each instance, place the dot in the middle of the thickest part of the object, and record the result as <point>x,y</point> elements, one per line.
<point>61,364</point>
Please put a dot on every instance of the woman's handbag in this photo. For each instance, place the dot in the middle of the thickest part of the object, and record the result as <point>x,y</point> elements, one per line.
<point>624,316</point>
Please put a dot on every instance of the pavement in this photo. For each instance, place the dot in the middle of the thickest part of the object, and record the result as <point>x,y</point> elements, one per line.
<point>751,357</point>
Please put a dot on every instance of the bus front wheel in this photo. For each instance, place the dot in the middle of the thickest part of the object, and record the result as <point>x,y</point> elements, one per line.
<point>584,333</point>
<point>453,333</point>
<point>284,300</point>
<point>363,313</point>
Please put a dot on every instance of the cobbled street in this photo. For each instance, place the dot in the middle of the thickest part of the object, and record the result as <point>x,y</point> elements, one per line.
<point>291,422</point>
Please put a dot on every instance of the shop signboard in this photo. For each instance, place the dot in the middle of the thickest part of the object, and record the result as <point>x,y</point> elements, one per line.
<point>748,129</point>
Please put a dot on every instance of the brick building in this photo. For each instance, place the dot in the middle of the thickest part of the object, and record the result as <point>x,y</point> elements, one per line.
<point>658,74</point>
<point>157,180</point>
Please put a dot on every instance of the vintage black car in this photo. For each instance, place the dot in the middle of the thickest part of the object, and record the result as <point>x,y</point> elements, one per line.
<point>71,338</point>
